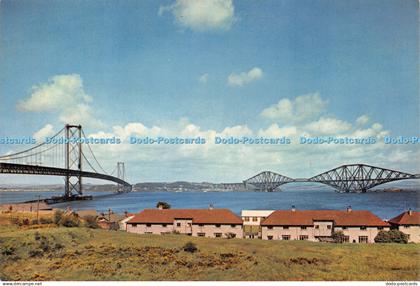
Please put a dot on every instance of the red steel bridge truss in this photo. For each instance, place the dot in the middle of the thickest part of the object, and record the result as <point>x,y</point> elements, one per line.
<point>346,178</point>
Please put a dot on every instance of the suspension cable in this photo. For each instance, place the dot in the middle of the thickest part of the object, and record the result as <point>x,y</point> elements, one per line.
<point>21,152</point>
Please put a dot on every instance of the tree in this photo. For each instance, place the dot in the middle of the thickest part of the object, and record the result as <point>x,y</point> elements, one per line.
<point>392,236</point>
<point>338,236</point>
<point>163,205</point>
<point>91,222</point>
<point>190,247</point>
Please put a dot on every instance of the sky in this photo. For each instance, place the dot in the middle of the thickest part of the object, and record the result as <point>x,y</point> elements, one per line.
<point>214,68</point>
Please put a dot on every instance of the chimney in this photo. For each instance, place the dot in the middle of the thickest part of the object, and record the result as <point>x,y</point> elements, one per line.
<point>349,209</point>
<point>293,208</point>
<point>410,212</point>
<point>211,206</point>
<point>160,206</point>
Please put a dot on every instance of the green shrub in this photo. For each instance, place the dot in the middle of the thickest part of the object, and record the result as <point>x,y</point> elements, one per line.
<point>190,247</point>
<point>58,215</point>
<point>90,221</point>
<point>230,235</point>
<point>392,236</point>
<point>163,205</point>
<point>69,221</point>
<point>37,236</point>
<point>45,220</point>
<point>338,236</point>
<point>8,250</point>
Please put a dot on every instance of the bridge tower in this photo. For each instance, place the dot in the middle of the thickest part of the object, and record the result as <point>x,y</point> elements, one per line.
<point>73,160</point>
<point>121,175</point>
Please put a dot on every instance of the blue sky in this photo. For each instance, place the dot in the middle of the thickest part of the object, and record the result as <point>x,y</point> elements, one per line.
<point>141,62</point>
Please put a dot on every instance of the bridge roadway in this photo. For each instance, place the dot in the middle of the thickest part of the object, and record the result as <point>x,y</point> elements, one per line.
<point>9,168</point>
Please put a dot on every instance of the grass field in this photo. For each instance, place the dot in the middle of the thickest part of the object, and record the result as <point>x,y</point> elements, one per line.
<point>59,253</point>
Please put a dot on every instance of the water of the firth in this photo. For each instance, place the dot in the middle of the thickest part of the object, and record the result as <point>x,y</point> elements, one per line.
<point>384,204</point>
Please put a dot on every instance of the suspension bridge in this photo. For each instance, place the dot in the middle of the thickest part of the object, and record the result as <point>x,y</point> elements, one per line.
<point>72,159</point>
<point>346,178</point>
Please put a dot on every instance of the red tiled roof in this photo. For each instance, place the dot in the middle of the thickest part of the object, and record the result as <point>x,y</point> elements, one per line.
<point>406,219</point>
<point>307,217</point>
<point>205,216</point>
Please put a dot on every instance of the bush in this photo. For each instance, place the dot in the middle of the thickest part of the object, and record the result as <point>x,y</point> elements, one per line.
<point>190,247</point>
<point>37,236</point>
<point>8,250</point>
<point>45,220</point>
<point>90,221</point>
<point>69,221</point>
<point>35,253</point>
<point>392,236</point>
<point>114,226</point>
<point>338,236</point>
<point>58,215</point>
<point>163,205</point>
<point>230,235</point>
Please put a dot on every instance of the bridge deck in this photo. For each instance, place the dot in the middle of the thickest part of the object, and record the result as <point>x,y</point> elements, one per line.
<point>9,168</point>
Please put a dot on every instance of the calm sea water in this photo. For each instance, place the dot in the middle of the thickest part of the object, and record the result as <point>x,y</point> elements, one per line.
<point>384,204</point>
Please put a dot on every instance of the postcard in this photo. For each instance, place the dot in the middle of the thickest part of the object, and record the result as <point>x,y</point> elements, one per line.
<point>209,140</point>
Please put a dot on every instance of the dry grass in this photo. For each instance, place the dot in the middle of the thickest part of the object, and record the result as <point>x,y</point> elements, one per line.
<point>87,254</point>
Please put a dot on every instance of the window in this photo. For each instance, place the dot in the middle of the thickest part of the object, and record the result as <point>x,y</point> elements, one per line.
<point>218,234</point>
<point>406,226</point>
<point>270,237</point>
<point>246,218</point>
<point>148,232</point>
<point>254,218</point>
<point>178,224</point>
<point>328,226</point>
<point>303,227</point>
<point>303,237</point>
<point>217,225</point>
<point>269,227</point>
<point>200,224</point>
<point>149,225</point>
<point>380,227</point>
<point>164,225</point>
<point>344,227</point>
<point>408,236</point>
<point>201,234</point>
<point>363,239</point>
<point>346,239</point>
<point>285,227</point>
<point>363,228</point>
<point>285,237</point>
<point>317,227</point>
<point>134,225</point>
<point>233,225</point>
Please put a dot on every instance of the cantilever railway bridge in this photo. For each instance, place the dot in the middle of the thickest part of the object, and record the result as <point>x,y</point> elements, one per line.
<point>346,178</point>
<point>69,160</point>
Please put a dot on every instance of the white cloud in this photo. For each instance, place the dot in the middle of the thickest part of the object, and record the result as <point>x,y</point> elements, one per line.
<point>245,77</point>
<point>63,95</point>
<point>203,78</point>
<point>239,130</point>
<point>328,126</point>
<point>202,15</point>
<point>362,120</point>
<point>275,131</point>
<point>58,92</point>
<point>47,130</point>
<point>302,108</point>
